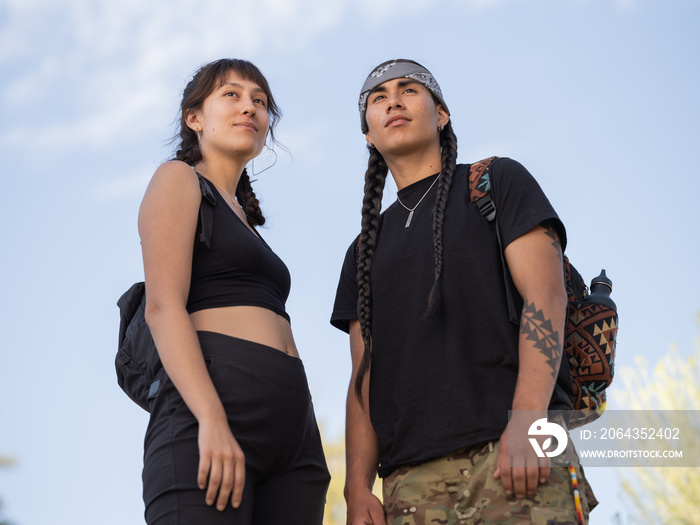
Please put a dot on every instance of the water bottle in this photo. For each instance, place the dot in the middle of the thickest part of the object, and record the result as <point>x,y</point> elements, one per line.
<point>601,287</point>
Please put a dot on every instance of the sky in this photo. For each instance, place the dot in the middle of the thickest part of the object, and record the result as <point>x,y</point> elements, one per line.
<point>597,98</point>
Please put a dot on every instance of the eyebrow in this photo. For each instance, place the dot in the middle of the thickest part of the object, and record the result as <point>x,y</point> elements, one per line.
<point>256,89</point>
<point>402,83</point>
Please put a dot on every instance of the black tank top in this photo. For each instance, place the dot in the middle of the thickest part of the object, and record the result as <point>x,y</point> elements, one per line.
<point>238,268</point>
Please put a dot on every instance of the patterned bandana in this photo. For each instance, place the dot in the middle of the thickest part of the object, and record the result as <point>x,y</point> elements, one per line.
<point>399,68</point>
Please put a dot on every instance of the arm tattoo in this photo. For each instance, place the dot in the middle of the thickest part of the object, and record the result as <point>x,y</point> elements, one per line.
<point>538,329</point>
<point>552,234</point>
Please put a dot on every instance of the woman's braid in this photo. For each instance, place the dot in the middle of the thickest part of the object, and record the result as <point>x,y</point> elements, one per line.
<point>375,177</point>
<point>249,202</point>
<point>189,151</point>
<point>448,143</point>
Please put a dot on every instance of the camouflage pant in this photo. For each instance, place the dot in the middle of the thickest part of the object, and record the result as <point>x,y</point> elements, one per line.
<point>460,489</point>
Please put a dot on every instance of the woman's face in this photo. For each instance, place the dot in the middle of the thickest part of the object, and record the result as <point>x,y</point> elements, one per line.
<point>402,116</point>
<point>233,119</point>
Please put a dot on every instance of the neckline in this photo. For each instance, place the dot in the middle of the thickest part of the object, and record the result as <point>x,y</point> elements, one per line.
<point>248,227</point>
<point>419,186</point>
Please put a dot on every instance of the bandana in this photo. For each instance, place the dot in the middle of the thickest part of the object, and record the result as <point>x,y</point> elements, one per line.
<point>399,68</point>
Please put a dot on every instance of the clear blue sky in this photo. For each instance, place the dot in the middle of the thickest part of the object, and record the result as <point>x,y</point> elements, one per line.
<point>599,99</point>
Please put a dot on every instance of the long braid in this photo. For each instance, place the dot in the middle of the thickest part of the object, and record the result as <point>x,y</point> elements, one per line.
<point>249,202</point>
<point>375,177</point>
<point>189,151</point>
<point>448,143</point>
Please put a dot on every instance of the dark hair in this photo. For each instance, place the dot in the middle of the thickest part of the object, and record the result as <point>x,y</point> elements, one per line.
<point>207,79</point>
<point>375,177</point>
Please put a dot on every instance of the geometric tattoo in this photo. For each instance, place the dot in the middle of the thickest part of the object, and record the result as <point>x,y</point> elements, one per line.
<point>539,330</point>
<point>552,233</point>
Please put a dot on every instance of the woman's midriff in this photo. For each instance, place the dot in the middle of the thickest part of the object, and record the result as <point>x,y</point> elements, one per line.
<point>251,323</point>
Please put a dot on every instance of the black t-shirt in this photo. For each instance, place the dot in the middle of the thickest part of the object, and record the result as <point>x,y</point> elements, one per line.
<point>443,384</point>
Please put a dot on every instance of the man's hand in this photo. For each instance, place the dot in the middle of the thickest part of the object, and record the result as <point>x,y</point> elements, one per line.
<point>517,464</point>
<point>365,509</point>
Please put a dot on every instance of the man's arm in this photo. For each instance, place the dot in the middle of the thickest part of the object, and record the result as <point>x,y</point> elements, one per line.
<point>535,264</point>
<point>361,447</point>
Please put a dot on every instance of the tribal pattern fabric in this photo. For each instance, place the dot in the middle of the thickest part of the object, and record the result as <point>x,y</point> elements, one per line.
<point>591,335</point>
<point>479,179</point>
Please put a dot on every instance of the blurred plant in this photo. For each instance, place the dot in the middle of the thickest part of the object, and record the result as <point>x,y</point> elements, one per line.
<point>664,495</point>
<point>5,462</point>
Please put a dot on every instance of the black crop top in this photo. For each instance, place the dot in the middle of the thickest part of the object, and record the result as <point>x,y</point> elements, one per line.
<point>238,268</point>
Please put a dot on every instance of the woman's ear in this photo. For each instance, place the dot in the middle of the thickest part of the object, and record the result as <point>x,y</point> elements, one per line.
<point>368,138</point>
<point>192,120</point>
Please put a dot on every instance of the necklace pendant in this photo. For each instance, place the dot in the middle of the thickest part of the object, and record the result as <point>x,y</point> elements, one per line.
<point>408,221</point>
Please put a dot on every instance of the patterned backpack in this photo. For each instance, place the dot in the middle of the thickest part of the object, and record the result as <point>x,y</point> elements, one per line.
<point>591,328</point>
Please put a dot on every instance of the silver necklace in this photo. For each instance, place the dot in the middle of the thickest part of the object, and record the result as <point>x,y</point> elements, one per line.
<point>235,201</point>
<point>411,210</point>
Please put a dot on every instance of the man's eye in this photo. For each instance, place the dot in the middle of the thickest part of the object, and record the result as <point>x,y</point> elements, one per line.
<point>378,97</point>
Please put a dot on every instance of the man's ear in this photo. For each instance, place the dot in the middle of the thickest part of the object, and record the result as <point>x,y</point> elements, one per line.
<point>443,116</point>
<point>368,138</point>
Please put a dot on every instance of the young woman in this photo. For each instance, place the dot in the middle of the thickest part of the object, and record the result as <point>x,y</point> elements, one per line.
<point>232,436</point>
<point>437,364</point>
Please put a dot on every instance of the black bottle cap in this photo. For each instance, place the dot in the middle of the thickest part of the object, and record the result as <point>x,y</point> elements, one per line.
<point>603,280</point>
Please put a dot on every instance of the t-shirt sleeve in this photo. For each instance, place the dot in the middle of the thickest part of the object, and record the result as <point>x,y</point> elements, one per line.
<point>520,202</point>
<point>345,306</point>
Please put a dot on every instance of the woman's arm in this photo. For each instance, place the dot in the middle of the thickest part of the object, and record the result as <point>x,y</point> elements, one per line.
<point>167,226</point>
<point>361,447</point>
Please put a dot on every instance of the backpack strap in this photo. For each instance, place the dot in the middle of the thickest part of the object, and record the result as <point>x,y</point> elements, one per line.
<point>480,194</point>
<point>206,211</point>
<point>480,188</point>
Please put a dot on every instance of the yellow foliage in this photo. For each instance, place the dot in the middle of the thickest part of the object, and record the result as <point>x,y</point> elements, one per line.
<point>664,495</point>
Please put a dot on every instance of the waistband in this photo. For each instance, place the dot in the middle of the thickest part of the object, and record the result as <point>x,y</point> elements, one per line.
<point>245,353</point>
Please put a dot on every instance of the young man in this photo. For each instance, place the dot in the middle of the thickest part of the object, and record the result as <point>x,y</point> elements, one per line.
<point>423,296</point>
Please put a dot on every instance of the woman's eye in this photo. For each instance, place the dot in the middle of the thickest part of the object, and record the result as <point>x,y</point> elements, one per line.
<point>261,102</point>
<point>377,98</point>
<point>410,90</point>
<point>230,94</point>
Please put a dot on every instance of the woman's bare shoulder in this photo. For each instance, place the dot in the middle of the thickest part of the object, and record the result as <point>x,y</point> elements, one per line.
<point>172,192</point>
<point>173,180</point>
<point>175,171</point>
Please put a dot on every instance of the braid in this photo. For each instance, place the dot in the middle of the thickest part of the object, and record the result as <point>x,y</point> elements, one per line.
<point>249,202</point>
<point>375,177</point>
<point>448,143</point>
<point>189,151</point>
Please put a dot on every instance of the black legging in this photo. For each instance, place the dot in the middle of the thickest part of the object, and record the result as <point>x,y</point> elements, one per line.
<point>266,397</point>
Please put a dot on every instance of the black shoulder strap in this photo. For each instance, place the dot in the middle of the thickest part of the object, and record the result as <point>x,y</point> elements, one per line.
<point>205,211</point>
<point>480,187</point>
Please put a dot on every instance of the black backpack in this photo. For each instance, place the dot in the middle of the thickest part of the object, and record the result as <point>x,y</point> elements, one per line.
<point>591,327</point>
<point>137,361</point>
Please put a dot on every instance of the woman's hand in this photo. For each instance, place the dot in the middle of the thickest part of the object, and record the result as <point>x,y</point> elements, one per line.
<point>222,463</point>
